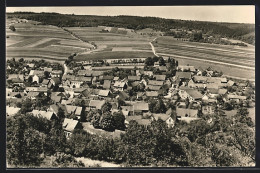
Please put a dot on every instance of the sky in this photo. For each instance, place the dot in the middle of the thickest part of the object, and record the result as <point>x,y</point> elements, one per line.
<point>231,13</point>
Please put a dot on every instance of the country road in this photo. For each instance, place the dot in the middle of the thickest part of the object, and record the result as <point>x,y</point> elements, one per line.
<point>153,49</point>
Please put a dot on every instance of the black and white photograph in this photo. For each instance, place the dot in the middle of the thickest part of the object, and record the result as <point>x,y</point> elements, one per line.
<point>130,86</point>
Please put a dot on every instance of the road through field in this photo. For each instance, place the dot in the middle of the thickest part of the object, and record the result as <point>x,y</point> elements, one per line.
<point>153,49</point>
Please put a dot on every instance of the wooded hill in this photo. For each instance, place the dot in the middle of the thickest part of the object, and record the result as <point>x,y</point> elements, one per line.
<point>240,31</point>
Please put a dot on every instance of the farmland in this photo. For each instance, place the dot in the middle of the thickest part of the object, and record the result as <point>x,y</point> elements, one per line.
<point>112,44</point>
<point>241,60</point>
<point>32,40</point>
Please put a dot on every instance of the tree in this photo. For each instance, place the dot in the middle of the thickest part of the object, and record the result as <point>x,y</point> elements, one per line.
<point>24,144</point>
<point>60,114</point>
<point>12,28</point>
<point>149,61</point>
<point>161,61</point>
<point>119,120</point>
<point>222,156</point>
<point>63,160</point>
<point>26,106</point>
<point>160,107</point>
<point>107,122</point>
<point>106,107</point>
<point>96,120</point>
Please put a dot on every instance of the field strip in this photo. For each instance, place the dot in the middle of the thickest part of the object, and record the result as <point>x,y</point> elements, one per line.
<point>62,45</point>
<point>39,42</point>
<point>207,48</point>
<point>240,78</point>
<point>204,54</point>
<point>168,41</point>
<point>216,62</point>
<point>213,58</point>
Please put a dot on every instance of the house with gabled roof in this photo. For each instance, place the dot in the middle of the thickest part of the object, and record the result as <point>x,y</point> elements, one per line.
<point>120,85</point>
<point>160,77</point>
<point>131,118</point>
<point>186,68</point>
<point>164,117</point>
<point>191,94</point>
<point>183,75</point>
<point>151,93</point>
<point>148,73</point>
<point>44,114</point>
<point>104,93</point>
<point>153,87</point>
<point>186,112</point>
<point>140,107</point>
<point>48,69</point>
<point>123,95</point>
<point>134,78</point>
<point>69,125</point>
<point>107,84</point>
<point>155,82</point>
<point>56,73</point>
<point>96,104</point>
<point>108,78</point>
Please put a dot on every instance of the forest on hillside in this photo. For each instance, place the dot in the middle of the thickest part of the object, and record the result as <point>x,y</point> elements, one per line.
<point>240,31</point>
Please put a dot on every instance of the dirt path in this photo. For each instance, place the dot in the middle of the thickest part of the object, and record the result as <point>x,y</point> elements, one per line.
<point>153,49</point>
<point>96,163</point>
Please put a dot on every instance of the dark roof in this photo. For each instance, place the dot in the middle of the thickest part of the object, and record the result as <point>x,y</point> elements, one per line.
<point>56,80</point>
<point>123,95</point>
